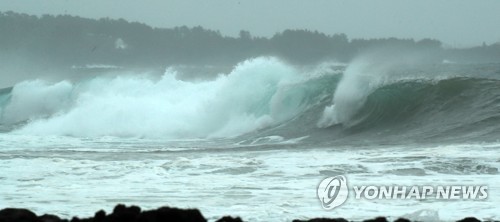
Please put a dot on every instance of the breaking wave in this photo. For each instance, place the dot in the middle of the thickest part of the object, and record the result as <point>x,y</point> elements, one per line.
<point>256,94</point>
<point>265,97</point>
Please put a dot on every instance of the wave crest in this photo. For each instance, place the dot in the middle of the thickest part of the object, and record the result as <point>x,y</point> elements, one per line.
<point>253,96</point>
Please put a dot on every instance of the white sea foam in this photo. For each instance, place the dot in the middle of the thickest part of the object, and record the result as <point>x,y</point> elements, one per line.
<point>359,80</point>
<point>272,185</point>
<point>256,94</point>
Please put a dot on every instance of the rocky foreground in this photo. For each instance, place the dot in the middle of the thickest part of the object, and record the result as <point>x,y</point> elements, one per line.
<point>121,213</point>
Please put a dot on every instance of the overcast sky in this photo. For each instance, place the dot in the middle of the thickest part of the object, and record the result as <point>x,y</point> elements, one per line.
<point>455,22</point>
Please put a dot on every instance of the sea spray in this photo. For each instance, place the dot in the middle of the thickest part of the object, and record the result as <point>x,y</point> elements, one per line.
<point>31,100</point>
<point>359,80</point>
<point>256,94</point>
<point>265,97</point>
<point>367,73</point>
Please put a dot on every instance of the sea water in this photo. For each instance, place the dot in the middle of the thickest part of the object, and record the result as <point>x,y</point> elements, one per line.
<point>254,142</point>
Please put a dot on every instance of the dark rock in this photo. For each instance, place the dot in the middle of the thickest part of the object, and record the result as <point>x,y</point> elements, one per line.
<point>229,219</point>
<point>100,216</point>
<point>402,220</point>
<point>119,209</point>
<point>172,214</point>
<point>17,215</point>
<point>323,220</point>
<point>469,219</point>
<point>75,219</point>
<point>121,213</point>
<point>49,218</point>
<point>378,219</point>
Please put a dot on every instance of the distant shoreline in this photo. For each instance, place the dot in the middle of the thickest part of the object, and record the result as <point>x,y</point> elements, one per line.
<point>71,41</point>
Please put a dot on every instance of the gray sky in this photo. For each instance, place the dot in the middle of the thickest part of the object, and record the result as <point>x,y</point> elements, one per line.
<point>455,22</point>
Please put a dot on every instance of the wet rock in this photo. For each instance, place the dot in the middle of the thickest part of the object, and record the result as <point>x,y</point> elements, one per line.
<point>172,214</point>
<point>323,220</point>
<point>122,213</point>
<point>14,214</point>
<point>50,218</point>
<point>378,219</point>
<point>100,216</point>
<point>469,219</point>
<point>229,219</point>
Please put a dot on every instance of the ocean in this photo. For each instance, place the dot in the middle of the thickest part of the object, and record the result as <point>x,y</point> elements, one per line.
<point>255,141</point>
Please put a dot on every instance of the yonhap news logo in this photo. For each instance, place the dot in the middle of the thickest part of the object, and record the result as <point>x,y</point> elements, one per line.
<point>333,192</point>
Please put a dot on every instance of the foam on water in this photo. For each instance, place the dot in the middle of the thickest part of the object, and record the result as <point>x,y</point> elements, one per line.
<point>263,97</point>
<point>256,94</point>
<point>272,185</point>
<point>247,143</point>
